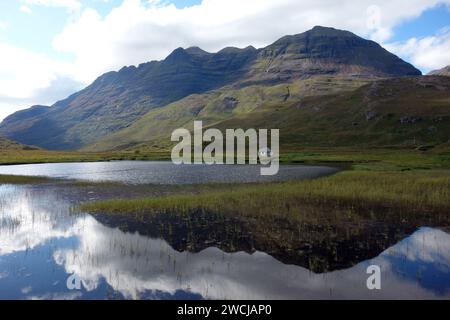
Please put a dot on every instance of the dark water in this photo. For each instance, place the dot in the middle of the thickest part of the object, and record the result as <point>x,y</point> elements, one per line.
<point>42,244</point>
<point>163,172</point>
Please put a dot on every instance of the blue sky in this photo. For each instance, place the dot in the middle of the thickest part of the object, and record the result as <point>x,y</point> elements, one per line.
<point>51,48</point>
<point>36,30</point>
<point>428,23</point>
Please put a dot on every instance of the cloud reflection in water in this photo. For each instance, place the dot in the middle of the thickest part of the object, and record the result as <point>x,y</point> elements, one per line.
<point>35,222</point>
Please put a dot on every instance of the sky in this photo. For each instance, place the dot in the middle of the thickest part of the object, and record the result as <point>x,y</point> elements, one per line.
<point>50,49</point>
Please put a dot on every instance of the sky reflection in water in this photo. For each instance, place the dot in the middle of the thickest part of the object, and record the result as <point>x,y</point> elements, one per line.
<point>164,172</point>
<point>42,244</point>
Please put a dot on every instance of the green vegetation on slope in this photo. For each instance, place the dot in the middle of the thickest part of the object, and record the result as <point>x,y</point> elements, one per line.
<point>372,159</point>
<point>407,112</point>
<point>18,156</point>
<point>6,144</point>
<point>317,112</point>
<point>234,106</point>
<point>117,99</point>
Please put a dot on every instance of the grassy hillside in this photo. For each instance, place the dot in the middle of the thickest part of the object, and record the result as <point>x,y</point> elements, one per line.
<point>14,153</point>
<point>318,112</point>
<point>405,112</point>
<point>222,106</point>
<point>6,144</point>
<point>117,99</point>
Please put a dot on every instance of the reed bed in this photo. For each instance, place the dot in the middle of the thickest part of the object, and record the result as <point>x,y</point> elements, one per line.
<point>427,190</point>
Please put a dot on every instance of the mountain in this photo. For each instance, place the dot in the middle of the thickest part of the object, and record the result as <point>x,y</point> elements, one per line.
<point>7,145</point>
<point>116,100</point>
<point>441,72</point>
<point>330,51</point>
<point>338,112</point>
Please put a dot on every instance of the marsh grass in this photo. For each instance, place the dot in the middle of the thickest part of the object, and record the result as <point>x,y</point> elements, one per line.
<point>10,157</point>
<point>12,179</point>
<point>371,159</point>
<point>416,191</point>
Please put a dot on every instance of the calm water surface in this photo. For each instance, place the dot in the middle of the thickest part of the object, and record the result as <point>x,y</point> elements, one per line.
<point>42,244</point>
<point>163,172</point>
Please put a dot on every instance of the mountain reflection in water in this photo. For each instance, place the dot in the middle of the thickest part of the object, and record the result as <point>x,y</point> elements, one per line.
<point>42,243</point>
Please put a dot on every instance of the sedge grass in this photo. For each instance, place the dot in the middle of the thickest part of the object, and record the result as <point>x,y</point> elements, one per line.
<point>13,179</point>
<point>406,191</point>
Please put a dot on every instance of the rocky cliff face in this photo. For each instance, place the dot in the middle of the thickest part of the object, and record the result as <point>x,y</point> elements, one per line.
<point>331,52</point>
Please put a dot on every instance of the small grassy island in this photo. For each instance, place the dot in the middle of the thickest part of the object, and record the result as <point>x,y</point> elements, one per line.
<point>407,181</point>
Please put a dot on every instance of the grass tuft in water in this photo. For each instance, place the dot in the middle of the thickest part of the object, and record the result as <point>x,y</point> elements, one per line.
<point>13,179</point>
<point>405,191</point>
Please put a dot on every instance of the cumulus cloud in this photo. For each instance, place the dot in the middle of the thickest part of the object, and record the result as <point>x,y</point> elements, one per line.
<point>428,53</point>
<point>24,71</point>
<point>133,264</point>
<point>70,4</point>
<point>25,9</point>
<point>28,78</point>
<point>137,31</point>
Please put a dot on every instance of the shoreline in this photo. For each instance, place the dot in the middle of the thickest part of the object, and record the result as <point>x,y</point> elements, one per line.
<point>337,156</point>
<point>11,178</point>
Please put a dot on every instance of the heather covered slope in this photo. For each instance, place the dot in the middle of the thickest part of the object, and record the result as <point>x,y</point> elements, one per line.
<point>116,100</point>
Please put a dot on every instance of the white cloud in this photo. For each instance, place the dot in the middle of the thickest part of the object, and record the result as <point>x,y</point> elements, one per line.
<point>25,9</point>
<point>25,76</point>
<point>70,4</point>
<point>133,264</point>
<point>428,53</point>
<point>149,266</point>
<point>138,31</point>
<point>17,79</point>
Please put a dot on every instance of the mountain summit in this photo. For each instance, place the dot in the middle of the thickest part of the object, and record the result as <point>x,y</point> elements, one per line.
<point>330,51</point>
<point>116,100</point>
